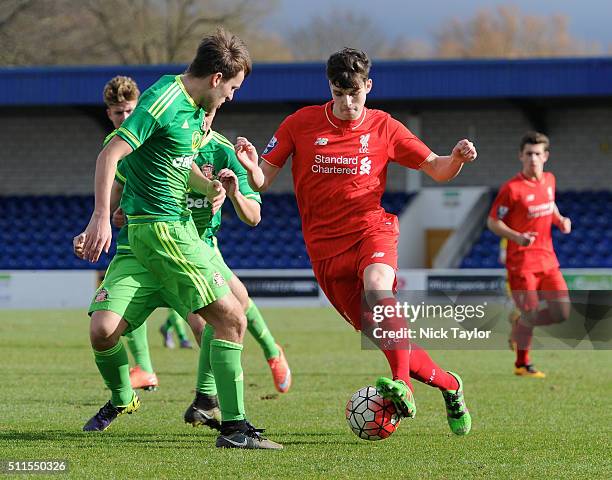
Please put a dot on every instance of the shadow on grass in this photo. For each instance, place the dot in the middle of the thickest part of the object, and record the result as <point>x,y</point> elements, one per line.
<point>81,439</point>
<point>86,439</point>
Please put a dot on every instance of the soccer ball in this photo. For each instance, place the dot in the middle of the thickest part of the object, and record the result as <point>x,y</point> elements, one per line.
<point>370,416</point>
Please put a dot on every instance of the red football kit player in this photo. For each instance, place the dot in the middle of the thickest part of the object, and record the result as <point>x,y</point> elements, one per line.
<point>339,171</point>
<point>340,152</point>
<point>524,212</point>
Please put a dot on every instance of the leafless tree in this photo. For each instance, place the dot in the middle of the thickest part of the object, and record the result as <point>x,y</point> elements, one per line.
<point>507,32</point>
<point>323,35</point>
<point>46,32</point>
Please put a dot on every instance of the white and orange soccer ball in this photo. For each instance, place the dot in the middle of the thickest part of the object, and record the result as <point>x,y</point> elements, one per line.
<point>370,416</point>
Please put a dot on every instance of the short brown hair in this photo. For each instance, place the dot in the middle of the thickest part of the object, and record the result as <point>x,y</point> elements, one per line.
<point>120,89</point>
<point>348,68</point>
<point>221,52</point>
<point>535,138</point>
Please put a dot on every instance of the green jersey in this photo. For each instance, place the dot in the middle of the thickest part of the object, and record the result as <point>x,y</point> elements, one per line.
<point>165,132</point>
<point>216,153</point>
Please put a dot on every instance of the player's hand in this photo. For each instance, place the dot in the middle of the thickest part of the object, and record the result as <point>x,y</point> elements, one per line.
<point>526,239</point>
<point>118,218</point>
<point>565,225</point>
<point>464,151</point>
<point>78,244</point>
<point>215,195</point>
<point>98,235</point>
<point>229,180</point>
<point>246,153</point>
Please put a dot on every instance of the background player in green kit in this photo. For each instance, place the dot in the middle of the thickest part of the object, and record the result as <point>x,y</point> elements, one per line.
<point>163,135</point>
<point>247,205</point>
<point>120,96</point>
<point>217,159</point>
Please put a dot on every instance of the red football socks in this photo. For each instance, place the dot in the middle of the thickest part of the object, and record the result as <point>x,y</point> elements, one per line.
<point>424,369</point>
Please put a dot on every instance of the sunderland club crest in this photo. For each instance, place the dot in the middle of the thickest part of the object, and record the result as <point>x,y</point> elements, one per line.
<point>208,170</point>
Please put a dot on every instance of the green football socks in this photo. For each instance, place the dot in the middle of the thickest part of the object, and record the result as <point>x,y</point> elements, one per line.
<point>175,321</point>
<point>115,370</point>
<point>227,370</point>
<point>139,346</point>
<point>257,327</point>
<point>206,380</point>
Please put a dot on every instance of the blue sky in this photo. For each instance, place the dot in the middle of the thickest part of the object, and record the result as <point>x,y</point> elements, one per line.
<point>589,19</point>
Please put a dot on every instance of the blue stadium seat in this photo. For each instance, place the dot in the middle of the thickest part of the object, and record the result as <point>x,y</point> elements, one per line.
<point>36,232</point>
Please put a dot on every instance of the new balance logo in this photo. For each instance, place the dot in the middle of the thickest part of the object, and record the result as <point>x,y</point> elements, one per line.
<point>185,125</point>
<point>365,166</point>
<point>378,254</point>
<point>321,141</point>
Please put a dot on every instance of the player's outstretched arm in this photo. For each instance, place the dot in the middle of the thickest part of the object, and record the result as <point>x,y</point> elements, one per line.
<point>499,228</point>
<point>247,209</point>
<point>98,233</point>
<point>260,175</point>
<point>445,168</point>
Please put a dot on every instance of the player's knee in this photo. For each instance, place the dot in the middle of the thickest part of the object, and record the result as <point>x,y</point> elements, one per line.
<point>378,278</point>
<point>237,323</point>
<point>227,317</point>
<point>104,330</point>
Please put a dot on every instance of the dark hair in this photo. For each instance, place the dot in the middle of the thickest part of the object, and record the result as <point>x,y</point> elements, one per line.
<point>348,68</point>
<point>535,138</point>
<point>221,52</point>
<point>120,89</point>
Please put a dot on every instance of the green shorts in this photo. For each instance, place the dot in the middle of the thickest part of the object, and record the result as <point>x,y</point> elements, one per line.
<point>129,290</point>
<point>189,270</point>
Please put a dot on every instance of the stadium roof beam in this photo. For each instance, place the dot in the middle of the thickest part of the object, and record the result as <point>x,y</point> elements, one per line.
<point>441,80</point>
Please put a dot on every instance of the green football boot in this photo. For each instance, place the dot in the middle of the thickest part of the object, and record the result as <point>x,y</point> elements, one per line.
<point>398,392</point>
<point>458,416</point>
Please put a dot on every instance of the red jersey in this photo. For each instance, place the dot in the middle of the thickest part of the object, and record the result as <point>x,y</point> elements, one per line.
<point>340,170</point>
<point>528,206</point>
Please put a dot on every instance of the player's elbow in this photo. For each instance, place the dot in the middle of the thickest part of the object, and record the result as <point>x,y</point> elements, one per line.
<point>262,188</point>
<point>437,174</point>
<point>253,222</point>
<point>443,178</point>
<point>492,225</point>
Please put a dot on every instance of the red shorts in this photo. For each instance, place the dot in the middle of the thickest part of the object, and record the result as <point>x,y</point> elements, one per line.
<point>341,276</point>
<point>529,288</point>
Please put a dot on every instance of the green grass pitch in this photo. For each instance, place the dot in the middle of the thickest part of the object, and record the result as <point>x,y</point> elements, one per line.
<point>560,427</point>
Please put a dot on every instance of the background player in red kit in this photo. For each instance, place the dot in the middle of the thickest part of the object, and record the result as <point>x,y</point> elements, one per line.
<point>524,212</point>
<point>340,155</point>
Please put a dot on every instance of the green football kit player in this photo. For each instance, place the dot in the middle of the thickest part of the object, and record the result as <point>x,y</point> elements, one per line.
<point>121,96</point>
<point>163,135</point>
<point>217,157</point>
